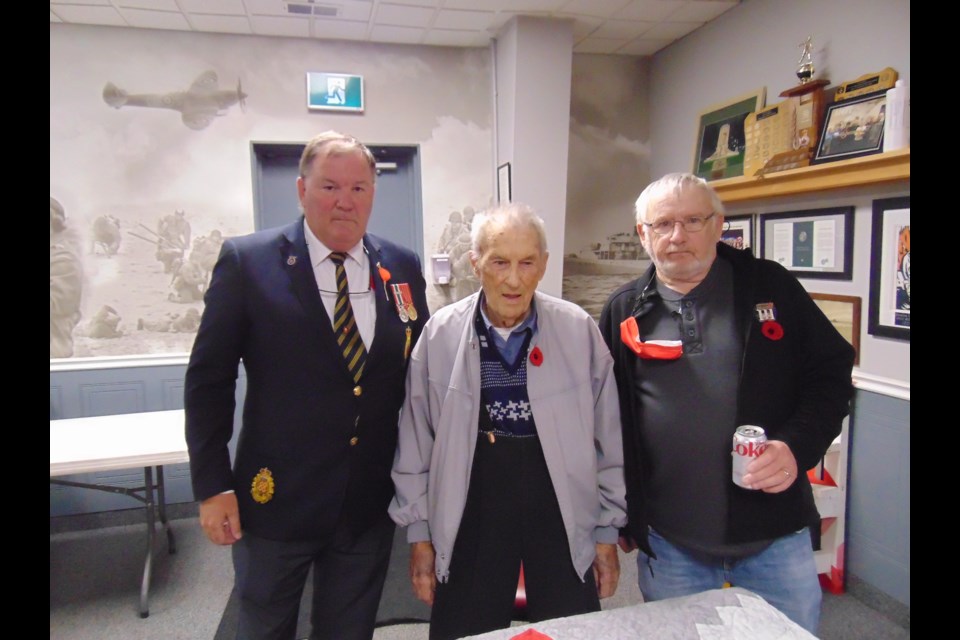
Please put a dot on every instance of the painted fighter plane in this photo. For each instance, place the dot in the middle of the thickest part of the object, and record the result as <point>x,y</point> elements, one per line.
<point>198,105</point>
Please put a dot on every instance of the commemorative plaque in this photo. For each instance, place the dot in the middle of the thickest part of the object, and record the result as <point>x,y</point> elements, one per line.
<point>869,83</point>
<point>769,131</point>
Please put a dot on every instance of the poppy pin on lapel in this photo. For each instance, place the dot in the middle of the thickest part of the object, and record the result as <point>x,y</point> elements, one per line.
<point>536,357</point>
<point>767,315</point>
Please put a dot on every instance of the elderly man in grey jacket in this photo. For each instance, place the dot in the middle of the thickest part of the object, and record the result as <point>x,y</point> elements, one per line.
<point>509,456</point>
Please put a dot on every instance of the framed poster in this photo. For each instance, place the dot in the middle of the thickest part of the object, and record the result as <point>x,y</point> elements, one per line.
<point>720,147</point>
<point>890,269</point>
<point>334,92</point>
<point>810,244</point>
<point>738,232</point>
<point>843,312</point>
<point>852,128</point>
<point>504,188</point>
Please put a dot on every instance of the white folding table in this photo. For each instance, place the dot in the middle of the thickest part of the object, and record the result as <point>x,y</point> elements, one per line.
<point>103,443</point>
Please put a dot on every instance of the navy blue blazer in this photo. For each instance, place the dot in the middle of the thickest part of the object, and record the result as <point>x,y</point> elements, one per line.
<point>326,443</point>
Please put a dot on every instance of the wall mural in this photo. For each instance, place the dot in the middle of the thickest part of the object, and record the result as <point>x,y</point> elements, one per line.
<point>146,195</point>
<point>608,168</point>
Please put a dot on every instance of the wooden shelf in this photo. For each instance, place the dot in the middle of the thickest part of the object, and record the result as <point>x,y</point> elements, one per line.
<point>892,166</point>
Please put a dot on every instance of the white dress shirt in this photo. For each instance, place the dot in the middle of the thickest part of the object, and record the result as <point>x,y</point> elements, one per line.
<point>359,282</point>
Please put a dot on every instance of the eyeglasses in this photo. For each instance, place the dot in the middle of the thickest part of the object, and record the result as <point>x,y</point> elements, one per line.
<point>692,224</point>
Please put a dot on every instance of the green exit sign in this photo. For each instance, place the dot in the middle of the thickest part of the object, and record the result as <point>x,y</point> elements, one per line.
<point>334,91</point>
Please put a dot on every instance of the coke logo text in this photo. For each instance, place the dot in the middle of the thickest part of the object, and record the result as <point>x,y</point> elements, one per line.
<point>750,449</point>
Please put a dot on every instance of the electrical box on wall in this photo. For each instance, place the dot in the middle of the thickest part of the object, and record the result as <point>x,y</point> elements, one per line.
<point>440,265</point>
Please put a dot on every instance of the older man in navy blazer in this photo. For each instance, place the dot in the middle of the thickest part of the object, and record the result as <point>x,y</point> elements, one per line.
<point>310,483</point>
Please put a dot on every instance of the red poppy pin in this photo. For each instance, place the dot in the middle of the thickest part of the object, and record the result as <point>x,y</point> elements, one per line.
<point>767,315</point>
<point>772,329</point>
<point>536,357</point>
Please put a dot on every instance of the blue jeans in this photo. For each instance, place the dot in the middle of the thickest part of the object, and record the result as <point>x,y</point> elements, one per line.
<point>784,574</point>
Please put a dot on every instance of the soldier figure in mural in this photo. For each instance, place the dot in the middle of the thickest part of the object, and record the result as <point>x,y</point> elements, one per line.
<point>205,251</point>
<point>175,228</point>
<point>173,240</point>
<point>189,322</point>
<point>104,324</point>
<point>451,232</point>
<point>66,282</point>
<point>106,235</point>
<point>189,283</point>
<point>455,242</point>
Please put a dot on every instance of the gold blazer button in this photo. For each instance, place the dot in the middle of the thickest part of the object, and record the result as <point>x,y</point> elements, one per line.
<point>358,391</point>
<point>354,440</point>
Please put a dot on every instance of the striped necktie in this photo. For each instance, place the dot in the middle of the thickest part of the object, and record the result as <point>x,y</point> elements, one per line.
<point>344,324</point>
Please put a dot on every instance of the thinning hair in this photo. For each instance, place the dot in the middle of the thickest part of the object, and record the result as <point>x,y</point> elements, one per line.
<point>674,184</point>
<point>334,143</point>
<point>507,216</point>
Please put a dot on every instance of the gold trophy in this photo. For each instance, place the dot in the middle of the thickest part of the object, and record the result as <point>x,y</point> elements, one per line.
<point>805,70</point>
<point>800,118</point>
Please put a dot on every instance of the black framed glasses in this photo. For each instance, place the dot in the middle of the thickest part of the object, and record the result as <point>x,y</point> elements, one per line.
<point>690,224</point>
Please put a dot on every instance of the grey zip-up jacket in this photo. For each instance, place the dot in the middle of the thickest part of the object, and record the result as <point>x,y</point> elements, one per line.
<point>573,396</point>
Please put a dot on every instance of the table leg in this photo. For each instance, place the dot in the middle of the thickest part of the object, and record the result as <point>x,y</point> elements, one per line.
<point>148,563</point>
<point>162,510</point>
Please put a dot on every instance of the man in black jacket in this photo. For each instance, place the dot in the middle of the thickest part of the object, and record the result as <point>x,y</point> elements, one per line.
<point>710,338</point>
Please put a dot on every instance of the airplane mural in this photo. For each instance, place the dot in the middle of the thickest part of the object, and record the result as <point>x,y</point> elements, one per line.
<point>198,105</point>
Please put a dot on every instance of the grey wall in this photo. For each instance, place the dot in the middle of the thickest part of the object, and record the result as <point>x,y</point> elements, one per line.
<point>756,45</point>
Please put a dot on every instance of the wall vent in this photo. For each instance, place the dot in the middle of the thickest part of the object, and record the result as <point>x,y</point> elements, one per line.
<point>307,9</point>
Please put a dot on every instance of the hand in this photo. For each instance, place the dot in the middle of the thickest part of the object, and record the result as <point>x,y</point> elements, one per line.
<point>606,569</point>
<point>774,471</point>
<point>422,571</point>
<point>220,518</point>
<point>627,544</point>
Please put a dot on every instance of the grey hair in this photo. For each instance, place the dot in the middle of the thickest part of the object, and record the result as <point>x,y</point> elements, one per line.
<point>334,142</point>
<point>510,215</point>
<point>674,184</point>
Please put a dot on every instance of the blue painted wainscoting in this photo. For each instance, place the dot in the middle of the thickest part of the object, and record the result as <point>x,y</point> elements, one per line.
<point>878,513</point>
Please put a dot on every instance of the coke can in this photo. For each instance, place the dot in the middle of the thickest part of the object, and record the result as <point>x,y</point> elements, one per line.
<point>749,441</point>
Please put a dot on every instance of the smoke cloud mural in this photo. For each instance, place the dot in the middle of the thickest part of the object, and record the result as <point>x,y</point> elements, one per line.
<point>608,168</point>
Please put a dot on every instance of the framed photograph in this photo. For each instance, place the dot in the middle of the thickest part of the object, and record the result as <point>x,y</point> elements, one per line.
<point>890,269</point>
<point>852,128</point>
<point>738,232</point>
<point>810,244</point>
<point>721,142</point>
<point>844,313</point>
<point>334,92</point>
<point>504,188</point>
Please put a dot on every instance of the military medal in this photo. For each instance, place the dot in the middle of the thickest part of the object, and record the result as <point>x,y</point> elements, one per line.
<point>404,301</point>
<point>262,486</point>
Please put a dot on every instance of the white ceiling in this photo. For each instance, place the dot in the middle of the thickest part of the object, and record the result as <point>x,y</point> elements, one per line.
<point>626,27</point>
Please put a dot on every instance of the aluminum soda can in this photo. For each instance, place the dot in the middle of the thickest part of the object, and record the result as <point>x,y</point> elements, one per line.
<point>749,441</point>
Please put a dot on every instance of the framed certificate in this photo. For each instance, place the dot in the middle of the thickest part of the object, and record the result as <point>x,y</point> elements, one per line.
<point>810,244</point>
